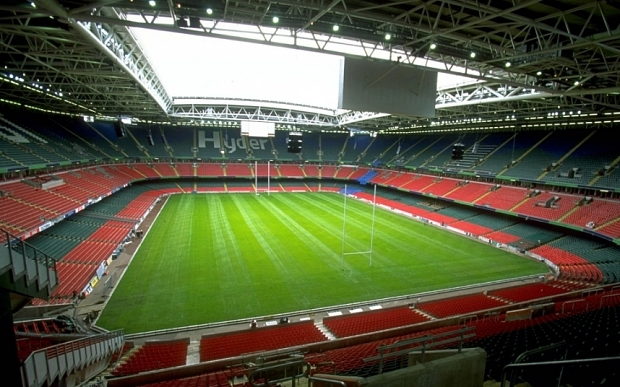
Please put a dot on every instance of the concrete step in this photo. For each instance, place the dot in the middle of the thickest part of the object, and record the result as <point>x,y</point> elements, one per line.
<point>495,383</point>
<point>499,298</point>
<point>193,352</point>
<point>123,359</point>
<point>325,331</point>
<point>418,311</point>
<point>301,382</point>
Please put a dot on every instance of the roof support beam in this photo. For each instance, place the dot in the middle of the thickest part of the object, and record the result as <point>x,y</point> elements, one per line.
<point>320,15</point>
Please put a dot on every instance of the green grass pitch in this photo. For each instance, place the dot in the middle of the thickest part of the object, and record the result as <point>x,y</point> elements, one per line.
<point>219,257</point>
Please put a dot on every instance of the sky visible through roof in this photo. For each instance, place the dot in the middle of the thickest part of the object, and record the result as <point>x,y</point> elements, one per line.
<point>203,67</point>
<point>194,66</point>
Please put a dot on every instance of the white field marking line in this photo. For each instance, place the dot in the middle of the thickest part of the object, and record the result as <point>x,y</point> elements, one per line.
<point>254,224</point>
<point>336,258</point>
<point>353,243</point>
<point>105,303</point>
<point>316,245</point>
<point>219,222</point>
<point>227,233</point>
<point>387,236</point>
<point>219,243</point>
<point>271,253</point>
<point>428,240</point>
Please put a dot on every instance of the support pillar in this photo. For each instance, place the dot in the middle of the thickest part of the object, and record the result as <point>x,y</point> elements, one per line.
<point>9,366</point>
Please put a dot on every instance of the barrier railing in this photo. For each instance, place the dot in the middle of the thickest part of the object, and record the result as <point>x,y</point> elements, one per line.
<point>422,343</point>
<point>551,364</point>
<point>329,382</point>
<point>24,259</point>
<point>287,370</point>
<point>45,365</point>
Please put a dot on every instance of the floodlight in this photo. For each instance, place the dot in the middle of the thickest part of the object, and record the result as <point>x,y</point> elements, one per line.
<point>275,20</point>
<point>388,36</point>
<point>576,83</point>
<point>152,3</point>
<point>472,55</point>
<point>433,46</point>
<point>335,28</point>
<point>209,11</point>
<point>539,73</point>
<point>508,64</point>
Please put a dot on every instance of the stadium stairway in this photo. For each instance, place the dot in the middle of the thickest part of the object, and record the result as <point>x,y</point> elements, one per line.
<point>349,191</point>
<point>25,276</point>
<point>53,359</point>
<point>495,383</point>
<point>193,352</point>
<point>324,330</point>
<point>154,355</point>
<point>423,313</point>
<point>126,352</point>
<point>523,155</point>
<point>367,177</point>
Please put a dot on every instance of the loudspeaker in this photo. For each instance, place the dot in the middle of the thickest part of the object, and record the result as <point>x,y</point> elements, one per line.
<point>119,128</point>
<point>457,151</point>
<point>293,143</point>
<point>194,22</point>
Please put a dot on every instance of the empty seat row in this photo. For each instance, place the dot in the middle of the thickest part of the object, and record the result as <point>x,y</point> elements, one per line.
<point>259,339</point>
<point>154,355</point>
<point>359,323</point>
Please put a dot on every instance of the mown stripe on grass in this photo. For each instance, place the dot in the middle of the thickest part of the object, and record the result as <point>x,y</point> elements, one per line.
<point>396,224</point>
<point>425,244</point>
<point>171,283</point>
<point>274,250</point>
<point>358,240</point>
<point>318,246</point>
<point>228,259</point>
<point>327,255</point>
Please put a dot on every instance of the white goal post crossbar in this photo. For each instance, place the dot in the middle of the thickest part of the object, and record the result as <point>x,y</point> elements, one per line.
<point>268,177</point>
<point>372,228</point>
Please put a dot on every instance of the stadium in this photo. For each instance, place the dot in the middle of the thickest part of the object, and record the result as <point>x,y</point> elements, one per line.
<point>321,193</point>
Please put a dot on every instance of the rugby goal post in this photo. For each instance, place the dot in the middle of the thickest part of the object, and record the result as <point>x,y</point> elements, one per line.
<point>268,177</point>
<point>372,228</point>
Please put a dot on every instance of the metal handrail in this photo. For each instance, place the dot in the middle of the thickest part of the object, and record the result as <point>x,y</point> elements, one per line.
<point>525,354</point>
<point>421,339</point>
<point>538,350</point>
<point>558,363</point>
<point>423,343</point>
<point>48,363</point>
<point>135,336</point>
<point>300,362</point>
<point>573,303</point>
<point>608,296</point>
<point>39,258</point>
<point>330,381</point>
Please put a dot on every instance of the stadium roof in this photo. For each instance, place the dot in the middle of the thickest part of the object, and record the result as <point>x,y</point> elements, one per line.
<point>536,63</point>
